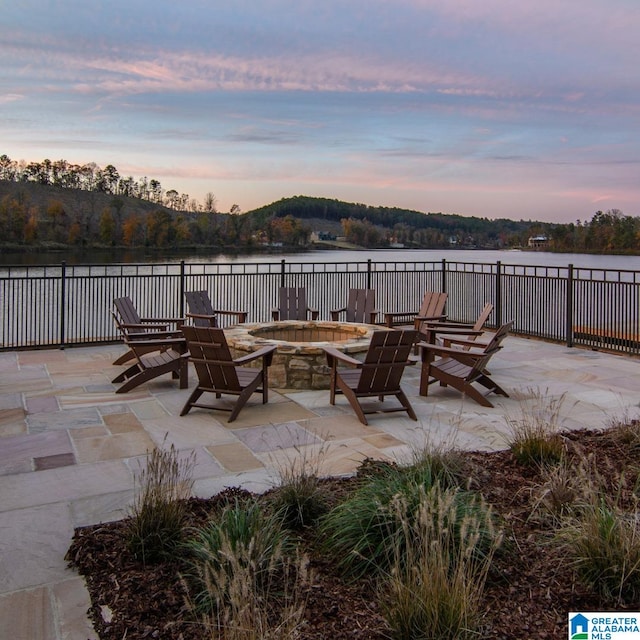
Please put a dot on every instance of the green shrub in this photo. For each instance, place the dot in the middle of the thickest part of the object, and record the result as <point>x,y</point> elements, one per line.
<point>364,531</point>
<point>155,526</point>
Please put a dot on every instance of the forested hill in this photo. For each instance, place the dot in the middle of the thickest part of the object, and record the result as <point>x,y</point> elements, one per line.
<point>34,215</point>
<point>308,208</point>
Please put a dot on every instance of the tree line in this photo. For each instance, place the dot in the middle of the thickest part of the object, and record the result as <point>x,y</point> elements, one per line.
<point>79,206</point>
<point>91,177</point>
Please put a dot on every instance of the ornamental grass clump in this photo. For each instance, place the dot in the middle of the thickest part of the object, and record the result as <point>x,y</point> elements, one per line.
<point>155,526</point>
<point>440,564</point>
<point>247,579</point>
<point>300,497</point>
<point>535,433</point>
<point>364,531</point>
<point>603,543</point>
<point>245,537</point>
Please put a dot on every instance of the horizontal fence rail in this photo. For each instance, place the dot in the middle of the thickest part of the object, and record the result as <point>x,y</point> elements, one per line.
<point>62,305</point>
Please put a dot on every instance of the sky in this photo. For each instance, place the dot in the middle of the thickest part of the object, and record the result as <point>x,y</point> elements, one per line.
<point>519,109</point>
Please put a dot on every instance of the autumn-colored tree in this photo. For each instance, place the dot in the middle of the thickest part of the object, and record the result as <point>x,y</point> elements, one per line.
<point>107,226</point>
<point>131,231</point>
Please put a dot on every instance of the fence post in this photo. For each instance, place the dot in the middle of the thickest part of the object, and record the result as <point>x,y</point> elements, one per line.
<point>282,273</point>
<point>498,300</point>
<point>569,328</point>
<point>182,288</point>
<point>444,275</point>
<point>369,273</point>
<point>63,302</point>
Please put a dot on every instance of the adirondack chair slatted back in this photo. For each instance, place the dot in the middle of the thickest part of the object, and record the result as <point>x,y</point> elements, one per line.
<point>478,365</point>
<point>483,317</point>
<point>292,303</point>
<point>433,304</point>
<point>127,312</point>
<point>477,326</point>
<point>493,346</point>
<point>199,303</point>
<point>361,303</point>
<point>212,358</point>
<point>385,361</point>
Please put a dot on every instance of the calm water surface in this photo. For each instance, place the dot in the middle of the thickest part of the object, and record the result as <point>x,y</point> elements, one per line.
<point>544,258</point>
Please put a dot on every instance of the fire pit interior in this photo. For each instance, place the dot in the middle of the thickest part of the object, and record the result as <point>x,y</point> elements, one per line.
<point>299,361</point>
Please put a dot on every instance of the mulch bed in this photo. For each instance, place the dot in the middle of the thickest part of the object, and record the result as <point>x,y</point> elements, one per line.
<point>531,588</point>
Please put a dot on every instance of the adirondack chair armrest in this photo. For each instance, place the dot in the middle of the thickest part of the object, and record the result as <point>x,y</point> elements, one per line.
<point>313,312</point>
<point>201,315</point>
<point>427,350</point>
<point>144,326</point>
<point>149,338</point>
<point>264,352</point>
<point>177,321</point>
<point>159,342</point>
<point>242,315</point>
<point>335,313</point>
<point>453,332</point>
<point>451,325</point>
<point>391,316</point>
<point>334,355</point>
<point>451,337</point>
<point>417,320</point>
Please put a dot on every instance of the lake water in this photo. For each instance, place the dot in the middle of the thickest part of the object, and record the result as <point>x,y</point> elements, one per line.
<point>534,258</point>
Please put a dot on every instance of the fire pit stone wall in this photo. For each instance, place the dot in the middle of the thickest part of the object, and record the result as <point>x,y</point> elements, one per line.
<point>299,361</point>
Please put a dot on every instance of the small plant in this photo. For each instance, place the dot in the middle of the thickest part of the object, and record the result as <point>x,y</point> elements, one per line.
<point>243,536</point>
<point>534,434</point>
<point>155,525</point>
<point>363,531</point>
<point>627,430</point>
<point>565,489</point>
<point>300,497</point>
<point>247,578</point>
<point>437,576</point>
<point>604,543</point>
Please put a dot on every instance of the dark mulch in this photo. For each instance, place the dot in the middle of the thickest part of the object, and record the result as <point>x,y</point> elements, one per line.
<point>531,582</point>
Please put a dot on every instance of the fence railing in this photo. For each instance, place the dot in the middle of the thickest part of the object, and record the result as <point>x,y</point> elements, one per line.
<point>62,305</point>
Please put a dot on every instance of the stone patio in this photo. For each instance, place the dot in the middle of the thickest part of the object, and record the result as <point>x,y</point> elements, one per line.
<point>70,448</point>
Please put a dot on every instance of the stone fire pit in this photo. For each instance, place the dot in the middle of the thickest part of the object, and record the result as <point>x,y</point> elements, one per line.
<point>299,361</point>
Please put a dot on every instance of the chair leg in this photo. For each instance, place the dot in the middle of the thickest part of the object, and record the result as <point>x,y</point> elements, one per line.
<point>128,373</point>
<point>488,383</point>
<point>404,401</point>
<point>197,392</point>
<point>125,357</point>
<point>353,401</point>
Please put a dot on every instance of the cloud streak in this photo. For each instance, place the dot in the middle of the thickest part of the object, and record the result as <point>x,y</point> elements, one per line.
<point>482,108</point>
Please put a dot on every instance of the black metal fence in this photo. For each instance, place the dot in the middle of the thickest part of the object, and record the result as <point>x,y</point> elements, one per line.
<point>60,305</point>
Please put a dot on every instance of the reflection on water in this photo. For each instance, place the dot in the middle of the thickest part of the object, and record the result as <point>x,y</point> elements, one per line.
<point>140,256</point>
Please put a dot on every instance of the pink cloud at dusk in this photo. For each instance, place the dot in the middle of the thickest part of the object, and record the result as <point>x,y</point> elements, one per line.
<point>492,108</point>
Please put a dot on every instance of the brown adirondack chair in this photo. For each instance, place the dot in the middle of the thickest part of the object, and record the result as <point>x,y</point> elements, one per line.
<point>132,326</point>
<point>462,368</point>
<point>155,354</point>
<point>361,307</point>
<point>218,373</point>
<point>448,332</point>
<point>202,313</point>
<point>379,375</point>
<point>431,309</point>
<point>292,305</point>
